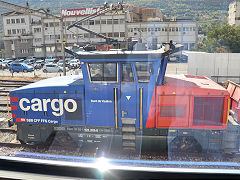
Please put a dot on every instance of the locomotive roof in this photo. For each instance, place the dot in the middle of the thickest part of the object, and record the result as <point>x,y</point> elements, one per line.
<point>62,81</point>
<point>119,54</point>
<point>191,84</point>
<point>122,55</point>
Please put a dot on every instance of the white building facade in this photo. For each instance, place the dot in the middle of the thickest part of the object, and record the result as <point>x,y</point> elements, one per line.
<point>44,37</point>
<point>178,30</point>
<point>234,13</point>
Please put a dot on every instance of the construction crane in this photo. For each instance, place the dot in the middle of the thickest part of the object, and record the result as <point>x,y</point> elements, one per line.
<point>107,8</point>
<point>38,13</point>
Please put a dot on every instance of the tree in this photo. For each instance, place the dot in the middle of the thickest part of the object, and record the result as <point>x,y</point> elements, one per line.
<point>222,38</point>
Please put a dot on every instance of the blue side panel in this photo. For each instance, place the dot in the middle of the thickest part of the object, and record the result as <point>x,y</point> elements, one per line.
<point>162,71</point>
<point>148,88</point>
<point>99,100</point>
<point>49,105</point>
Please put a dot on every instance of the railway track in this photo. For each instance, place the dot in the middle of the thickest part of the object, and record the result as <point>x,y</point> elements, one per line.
<point>5,87</point>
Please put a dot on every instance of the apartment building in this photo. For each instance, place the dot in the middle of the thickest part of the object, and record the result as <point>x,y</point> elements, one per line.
<point>234,13</point>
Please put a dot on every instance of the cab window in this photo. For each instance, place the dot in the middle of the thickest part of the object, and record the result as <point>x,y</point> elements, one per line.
<point>103,72</point>
<point>127,73</point>
<point>144,71</point>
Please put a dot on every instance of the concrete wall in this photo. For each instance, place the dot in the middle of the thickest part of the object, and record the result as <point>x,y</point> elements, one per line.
<point>215,64</point>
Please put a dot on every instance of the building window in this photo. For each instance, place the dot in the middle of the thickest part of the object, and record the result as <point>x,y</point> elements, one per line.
<point>103,21</point>
<point>24,40</point>
<point>109,21</point>
<point>9,31</point>
<point>92,36</point>
<point>19,31</point>
<point>91,22</point>
<point>122,21</point>
<point>116,34</point>
<point>47,37</point>
<point>23,31</point>
<point>59,49</point>
<point>17,21</point>
<point>56,24</point>
<point>8,21</point>
<point>38,50</point>
<point>48,49</point>
<point>115,21</point>
<point>86,35</point>
<point>51,24</point>
<point>52,37</point>
<point>57,36</point>
<point>13,21</point>
<point>38,39</point>
<point>97,21</point>
<point>22,20</point>
<point>37,30</point>
<point>14,31</point>
<point>109,34</point>
<point>185,46</point>
<point>45,24</point>
<point>122,34</point>
<point>23,51</point>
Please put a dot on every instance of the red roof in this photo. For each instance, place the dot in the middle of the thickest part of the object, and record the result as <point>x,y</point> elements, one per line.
<point>189,84</point>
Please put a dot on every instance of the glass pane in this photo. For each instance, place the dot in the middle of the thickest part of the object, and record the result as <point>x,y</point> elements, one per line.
<point>103,71</point>
<point>96,72</point>
<point>110,72</point>
<point>127,73</point>
<point>143,71</point>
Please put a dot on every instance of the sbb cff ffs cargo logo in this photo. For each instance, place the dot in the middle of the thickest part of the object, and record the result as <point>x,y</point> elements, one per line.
<point>57,105</point>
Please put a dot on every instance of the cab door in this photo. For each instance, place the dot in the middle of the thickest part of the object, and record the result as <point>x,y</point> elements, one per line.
<point>128,100</point>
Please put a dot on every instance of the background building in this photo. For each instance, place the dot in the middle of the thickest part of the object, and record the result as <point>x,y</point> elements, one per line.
<point>234,13</point>
<point>26,35</point>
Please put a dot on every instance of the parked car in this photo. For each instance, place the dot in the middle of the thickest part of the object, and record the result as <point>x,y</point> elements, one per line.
<point>20,67</point>
<point>75,63</point>
<point>28,62</point>
<point>51,60</point>
<point>60,63</point>
<point>61,67</point>
<point>6,64</point>
<point>38,64</point>
<point>51,68</point>
<point>18,60</point>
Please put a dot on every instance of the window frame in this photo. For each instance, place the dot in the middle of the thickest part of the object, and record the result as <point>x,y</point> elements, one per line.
<point>101,82</point>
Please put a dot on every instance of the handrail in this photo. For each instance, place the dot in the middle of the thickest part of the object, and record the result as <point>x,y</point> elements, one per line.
<point>232,83</point>
<point>141,111</point>
<point>115,98</point>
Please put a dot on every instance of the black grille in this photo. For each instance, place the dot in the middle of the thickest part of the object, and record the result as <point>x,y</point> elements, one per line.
<point>208,111</point>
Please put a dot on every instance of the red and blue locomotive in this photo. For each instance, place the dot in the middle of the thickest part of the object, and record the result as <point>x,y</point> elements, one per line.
<point>124,101</point>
